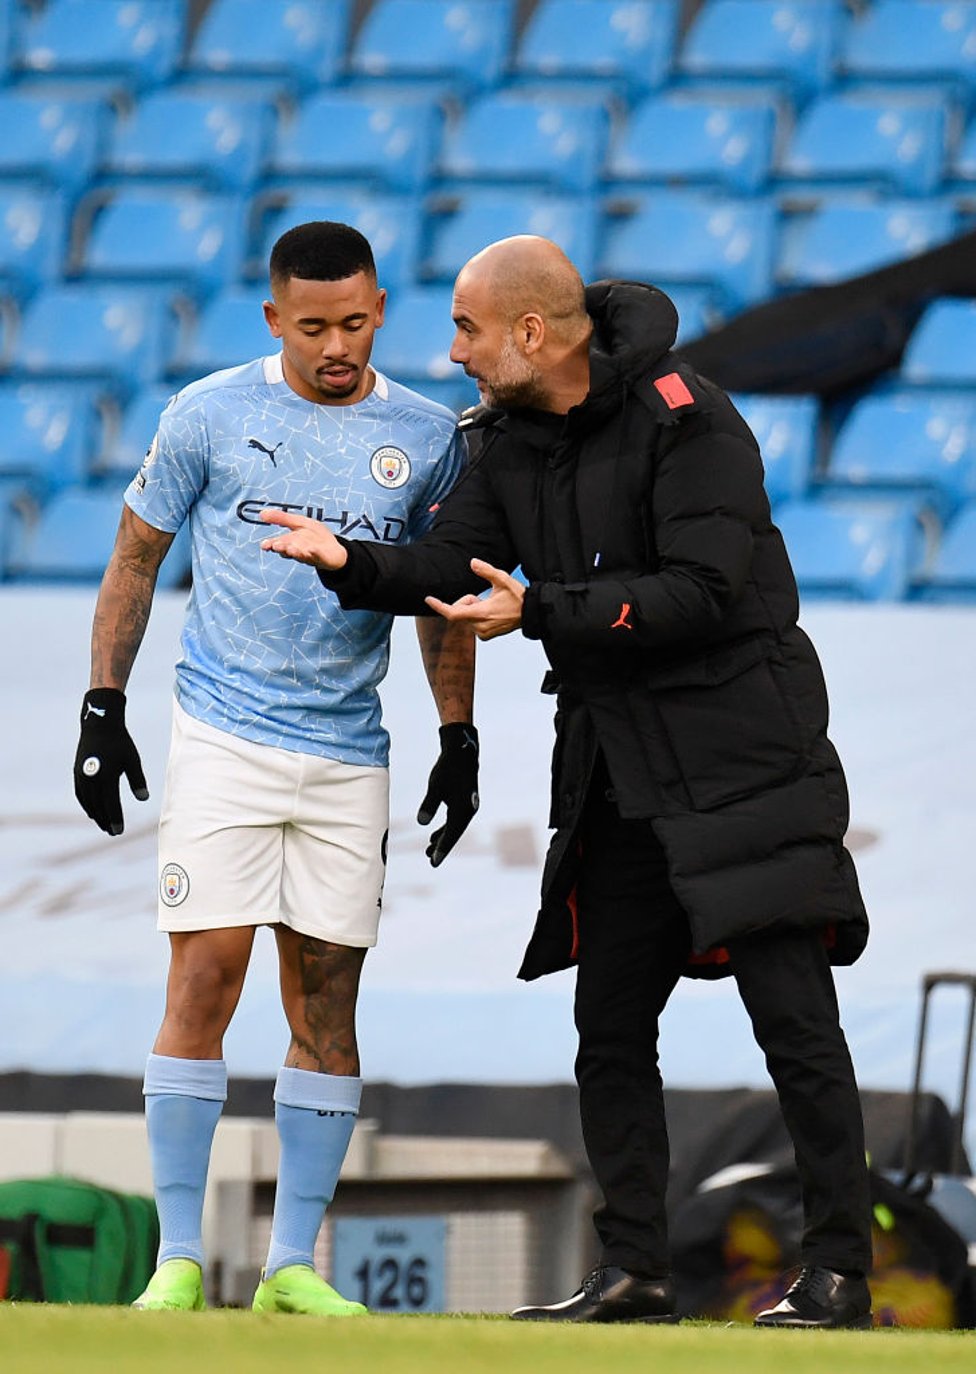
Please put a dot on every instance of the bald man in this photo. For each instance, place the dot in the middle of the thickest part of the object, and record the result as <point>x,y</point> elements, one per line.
<point>698,805</point>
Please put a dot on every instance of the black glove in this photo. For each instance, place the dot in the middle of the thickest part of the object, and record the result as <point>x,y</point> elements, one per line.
<point>105,752</point>
<point>454,781</point>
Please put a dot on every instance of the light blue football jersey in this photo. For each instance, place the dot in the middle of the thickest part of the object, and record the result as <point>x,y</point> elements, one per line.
<point>267,652</point>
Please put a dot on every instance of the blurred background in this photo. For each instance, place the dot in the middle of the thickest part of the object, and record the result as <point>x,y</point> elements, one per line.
<point>800,176</point>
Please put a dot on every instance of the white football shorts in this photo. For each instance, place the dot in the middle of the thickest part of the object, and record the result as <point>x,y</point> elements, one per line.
<point>253,835</point>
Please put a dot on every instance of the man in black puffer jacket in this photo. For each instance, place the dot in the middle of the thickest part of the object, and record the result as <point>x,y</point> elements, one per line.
<point>698,805</point>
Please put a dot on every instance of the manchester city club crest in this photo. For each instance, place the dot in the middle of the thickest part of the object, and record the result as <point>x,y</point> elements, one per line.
<point>390,466</point>
<point>173,885</point>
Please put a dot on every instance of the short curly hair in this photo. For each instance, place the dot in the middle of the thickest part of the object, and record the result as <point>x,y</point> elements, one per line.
<point>322,250</point>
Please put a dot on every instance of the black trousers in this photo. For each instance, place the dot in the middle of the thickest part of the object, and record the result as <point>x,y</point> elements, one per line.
<point>634,941</point>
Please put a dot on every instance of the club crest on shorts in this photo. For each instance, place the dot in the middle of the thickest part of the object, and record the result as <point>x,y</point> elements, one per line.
<point>390,466</point>
<point>173,885</point>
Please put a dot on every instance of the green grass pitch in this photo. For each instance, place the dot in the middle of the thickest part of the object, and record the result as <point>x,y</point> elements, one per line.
<point>93,1340</point>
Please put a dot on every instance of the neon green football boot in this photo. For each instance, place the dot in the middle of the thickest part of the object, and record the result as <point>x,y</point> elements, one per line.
<point>176,1286</point>
<point>297,1288</point>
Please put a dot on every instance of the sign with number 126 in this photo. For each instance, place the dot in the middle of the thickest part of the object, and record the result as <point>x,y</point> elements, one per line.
<point>392,1264</point>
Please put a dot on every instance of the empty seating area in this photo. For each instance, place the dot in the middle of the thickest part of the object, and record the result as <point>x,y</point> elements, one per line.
<point>726,150</point>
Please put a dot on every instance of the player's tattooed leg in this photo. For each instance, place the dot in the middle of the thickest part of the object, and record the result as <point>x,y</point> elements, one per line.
<point>319,988</point>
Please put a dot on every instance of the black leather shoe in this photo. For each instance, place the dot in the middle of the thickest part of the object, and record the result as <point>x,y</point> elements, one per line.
<point>821,1299</point>
<point>609,1294</point>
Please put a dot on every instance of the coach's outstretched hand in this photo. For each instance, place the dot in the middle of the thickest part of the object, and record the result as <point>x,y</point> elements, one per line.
<point>105,752</point>
<point>303,539</point>
<point>454,781</point>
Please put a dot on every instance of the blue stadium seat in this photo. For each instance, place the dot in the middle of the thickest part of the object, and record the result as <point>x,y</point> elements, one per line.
<point>456,393</point>
<point>896,142</point>
<point>689,136</point>
<point>94,330</point>
<point>390,222</point>
<point>459,225</point>
<point>952,574</point>
<point>32,235</point>
<point>229,330</point>
<point>942,347</point>
<point>415,340</point>
<point>74,537</point>
<point>138,40</point>
<point>699,309</point>
<point>53,139</point>
<point>17,502</point>
<point>666,237</point>
<point>464,44</point>
<point>924,440</point>
<point>934,40</point>
<point>845,237</point>
<point>295,44</point>
<point>627,42</point>
<point>789,43</point>
<point>155,233</point>
<point>126,441</point>
<point>786,430</point>
<point>48,433</point>
<point>863,551</point>
<point>962,162</point>
<point>214,138</point>
<point>519,136</point>
<point>382,139</point>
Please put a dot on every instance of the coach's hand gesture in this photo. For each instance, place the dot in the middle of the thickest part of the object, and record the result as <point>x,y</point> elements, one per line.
<point>306,540</point>
<point>488,616</point>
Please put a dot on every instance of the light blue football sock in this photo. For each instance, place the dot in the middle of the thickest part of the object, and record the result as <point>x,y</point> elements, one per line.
<point>315,1114</point>
<point>184,1099</point>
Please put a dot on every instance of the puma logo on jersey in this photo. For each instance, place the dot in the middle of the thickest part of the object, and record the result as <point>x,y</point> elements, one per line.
<point>621,621</point>
<point>256,443</point>
<point>91,710</point>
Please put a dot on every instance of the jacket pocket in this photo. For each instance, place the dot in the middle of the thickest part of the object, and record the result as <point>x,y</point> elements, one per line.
<point>732,731</point>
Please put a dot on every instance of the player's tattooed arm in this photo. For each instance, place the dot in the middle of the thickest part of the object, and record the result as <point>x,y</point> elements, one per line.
<point>448,654</point>
<point>125,599</point>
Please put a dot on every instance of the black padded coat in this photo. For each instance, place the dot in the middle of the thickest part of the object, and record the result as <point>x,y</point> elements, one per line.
<point>666,605</point>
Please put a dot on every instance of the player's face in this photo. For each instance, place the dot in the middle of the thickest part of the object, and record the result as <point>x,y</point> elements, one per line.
<point>326,330</point>
<point>487,349</point>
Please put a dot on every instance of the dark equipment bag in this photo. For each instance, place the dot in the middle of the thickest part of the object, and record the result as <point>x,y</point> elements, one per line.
<point>736,1233</point>
<point>732,1243</point>
<point>831,339</point>
<point>64,1240</point>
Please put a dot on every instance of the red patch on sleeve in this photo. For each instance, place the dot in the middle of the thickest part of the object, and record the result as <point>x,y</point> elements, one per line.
<point>674,391</point>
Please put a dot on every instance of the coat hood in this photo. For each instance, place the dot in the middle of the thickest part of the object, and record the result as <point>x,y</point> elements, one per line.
<point>634,325</point>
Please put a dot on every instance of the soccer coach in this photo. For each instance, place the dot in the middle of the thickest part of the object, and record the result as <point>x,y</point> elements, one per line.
<point>698,805</point>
